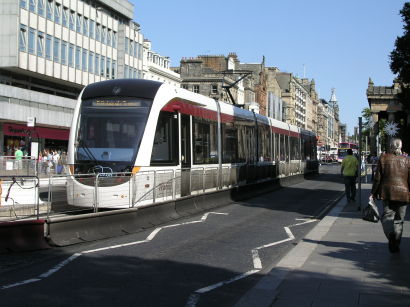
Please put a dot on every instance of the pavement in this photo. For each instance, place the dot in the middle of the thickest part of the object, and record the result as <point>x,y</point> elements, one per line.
<point>343,261</point>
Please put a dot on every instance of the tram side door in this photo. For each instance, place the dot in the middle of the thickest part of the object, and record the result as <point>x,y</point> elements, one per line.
<point>185,155</point>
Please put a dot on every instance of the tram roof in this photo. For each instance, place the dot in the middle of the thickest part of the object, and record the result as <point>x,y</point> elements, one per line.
<point>122,87</point>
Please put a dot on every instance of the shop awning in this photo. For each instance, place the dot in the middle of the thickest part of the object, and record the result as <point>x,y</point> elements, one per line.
<point>36,132</point>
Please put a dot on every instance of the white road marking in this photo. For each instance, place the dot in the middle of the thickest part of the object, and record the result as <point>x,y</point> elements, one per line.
<point>63,263</point>
<point>257,264</point>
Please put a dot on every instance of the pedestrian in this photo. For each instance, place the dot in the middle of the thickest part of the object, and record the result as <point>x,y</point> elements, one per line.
<point>350,165</point>
<point>374,160</point>
<point>392,185</point>
<point>18,156</point>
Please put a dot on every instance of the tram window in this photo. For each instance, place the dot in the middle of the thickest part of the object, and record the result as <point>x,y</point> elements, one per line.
<point>264,143</point>
<point>205,142</point>
<point>282,147</point>
<point>294,149</point>
<point>251,144</point>
<point>229,143</point>
<point>165,147</point>
<point>303,148</point>
<point>241,143</point>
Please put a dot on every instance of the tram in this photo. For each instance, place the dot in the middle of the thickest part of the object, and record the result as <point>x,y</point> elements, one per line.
<point>141,129</point>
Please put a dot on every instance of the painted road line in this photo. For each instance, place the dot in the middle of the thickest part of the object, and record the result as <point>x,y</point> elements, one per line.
<point>257,264</point>
<point>65,262</point>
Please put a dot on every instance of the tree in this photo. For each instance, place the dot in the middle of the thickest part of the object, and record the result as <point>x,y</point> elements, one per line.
<point>400,65</point>
<point>366,115</point>
<point>400,58</point>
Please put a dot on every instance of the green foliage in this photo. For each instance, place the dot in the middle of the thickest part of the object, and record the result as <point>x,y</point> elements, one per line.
<point>400,58</point>
<point>366,115</point>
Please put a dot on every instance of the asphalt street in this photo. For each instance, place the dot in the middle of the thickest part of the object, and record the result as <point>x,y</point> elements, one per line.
<point>209,259</point>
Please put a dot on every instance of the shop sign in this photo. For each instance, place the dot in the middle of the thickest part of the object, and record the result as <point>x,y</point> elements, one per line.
<point>36,132</point>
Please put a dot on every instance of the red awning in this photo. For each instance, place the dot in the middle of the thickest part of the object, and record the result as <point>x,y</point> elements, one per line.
<point>36,132</point>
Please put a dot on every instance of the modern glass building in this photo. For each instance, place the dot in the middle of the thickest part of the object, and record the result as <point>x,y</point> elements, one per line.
<point>51,49</point>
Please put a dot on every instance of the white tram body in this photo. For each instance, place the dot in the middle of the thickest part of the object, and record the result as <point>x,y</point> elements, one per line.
<point>134,141</point>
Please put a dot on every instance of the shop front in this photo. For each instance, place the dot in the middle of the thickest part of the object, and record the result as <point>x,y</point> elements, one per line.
<point>33,140</point>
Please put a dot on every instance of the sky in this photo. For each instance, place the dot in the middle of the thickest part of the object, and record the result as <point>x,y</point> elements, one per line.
<point>339,44</point>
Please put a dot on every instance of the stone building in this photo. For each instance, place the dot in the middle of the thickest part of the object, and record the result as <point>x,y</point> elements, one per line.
<point>384,105</point>
<point>328,122</point>
<point>209,74</point>
<point>312,102</point>
<point>51,49</point>
<point>274,94</point>
<point>259,80</point>
<point>333,121</point>
<point>157,67</point>
<point>300,100</point>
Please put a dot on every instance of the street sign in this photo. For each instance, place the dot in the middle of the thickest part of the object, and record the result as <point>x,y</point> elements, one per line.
<point>31,121</point>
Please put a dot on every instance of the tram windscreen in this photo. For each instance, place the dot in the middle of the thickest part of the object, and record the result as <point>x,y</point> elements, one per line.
<point>110,132</point>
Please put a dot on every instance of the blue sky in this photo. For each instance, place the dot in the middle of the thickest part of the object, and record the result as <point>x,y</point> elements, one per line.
<point>340,43</point>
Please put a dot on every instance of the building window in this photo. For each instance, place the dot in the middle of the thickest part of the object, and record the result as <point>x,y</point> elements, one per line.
<point>140,51</point>
<point>79,23</point>
<point>84,59</point>
<point>114,69</point>
<point>57,13</point>
<point>136,49</point>
<point>64,17</point>
<point>98,32</point>
<point>104,35</point>
<point>92,24</point>
<point>72,20</point>
<point>108,68</point>
<point>91,62</point>
<point>31,40</point>
<point>196,88</point>
<point>109,37</point>
<point>32,5</point>
<point>71,55</point>
<point>49,9</point>
<point>85,26</point>
<point>64,53</point>
<point>56,50</point>
<point>40,44</point>
<point>40,7</point>
<point>184,86</point>
<point>102,66</point>
<point>23,4</point>
<point>131,48</point>
<point>77,57</point>
<point>114,39</point>
<point>97,64</point>
<point>125,71</point>
<point>48,47</point>
<point>23,38</point>
<point>214,89</point>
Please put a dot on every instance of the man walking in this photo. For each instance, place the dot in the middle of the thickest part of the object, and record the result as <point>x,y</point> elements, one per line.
<point>350,165</point>
<point>18,155</point>
<point>392,185</point>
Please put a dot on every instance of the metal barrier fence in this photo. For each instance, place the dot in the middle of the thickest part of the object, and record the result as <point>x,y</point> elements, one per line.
<point>20,198</point>
<point>26,166</point>
<point>30,166</point>
<point>77,194</point>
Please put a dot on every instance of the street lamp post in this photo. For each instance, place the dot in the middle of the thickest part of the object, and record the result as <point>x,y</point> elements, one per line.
<point>360,164</point>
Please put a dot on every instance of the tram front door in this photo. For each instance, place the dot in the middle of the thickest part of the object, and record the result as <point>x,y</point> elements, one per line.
<point>185,155</point>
